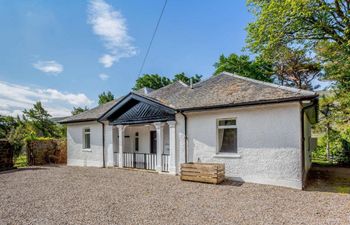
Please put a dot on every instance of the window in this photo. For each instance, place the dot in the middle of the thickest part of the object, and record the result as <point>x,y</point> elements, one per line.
<point>86,138</point>
<point>227,136</point>
<point>137,141</point>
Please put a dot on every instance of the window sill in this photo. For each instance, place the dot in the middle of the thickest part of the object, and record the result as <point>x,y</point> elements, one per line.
<point>234,156</point>
<point>87,150</point>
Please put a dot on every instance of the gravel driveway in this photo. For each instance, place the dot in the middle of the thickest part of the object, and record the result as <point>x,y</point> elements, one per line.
<point>73,195</point>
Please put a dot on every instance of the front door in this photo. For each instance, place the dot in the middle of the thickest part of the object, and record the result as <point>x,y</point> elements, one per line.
<point>153,136</point>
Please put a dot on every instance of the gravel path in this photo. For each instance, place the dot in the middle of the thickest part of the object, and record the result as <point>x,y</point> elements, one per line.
<point>73,195</point>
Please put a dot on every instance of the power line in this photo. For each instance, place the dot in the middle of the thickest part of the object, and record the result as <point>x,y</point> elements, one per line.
<point>154,34</point>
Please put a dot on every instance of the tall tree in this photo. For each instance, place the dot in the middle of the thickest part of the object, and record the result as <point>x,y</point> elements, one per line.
<point>294,68</point>
<point>321,27</point>
<point>244,66</point>
<point>39,120</point>
<point>78,110</point>
<point>298,22</point>
<point>105,97</point>
<point>153,81</point>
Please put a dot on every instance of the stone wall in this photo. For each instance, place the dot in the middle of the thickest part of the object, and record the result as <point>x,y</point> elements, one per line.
<point>6,155</point>
<point>42,152</point>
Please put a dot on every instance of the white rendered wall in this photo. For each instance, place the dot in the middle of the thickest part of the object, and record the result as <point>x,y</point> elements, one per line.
<point>76,155</point>
<point>269,141</point>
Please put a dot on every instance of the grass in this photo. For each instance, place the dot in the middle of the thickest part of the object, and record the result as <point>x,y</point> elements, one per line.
<point>21,161</point>
<point>322,162</point>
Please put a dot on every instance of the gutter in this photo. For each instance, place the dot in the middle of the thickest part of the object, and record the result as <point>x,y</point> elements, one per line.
<point>103,143</point>
<point>186,138</point>
<point>302,112</point>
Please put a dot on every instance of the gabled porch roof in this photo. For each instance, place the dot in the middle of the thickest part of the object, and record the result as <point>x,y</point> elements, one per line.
<point>135,109</point>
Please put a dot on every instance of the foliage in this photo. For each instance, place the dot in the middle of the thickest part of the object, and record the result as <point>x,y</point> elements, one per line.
<point>77,110</point>
<point>18,136</point>
<point>38,119</point>
<point>156,81</point>
<point>187,80</point>
<point>153,81</point>
<point>294,68</point>
<point>21,161</point>
<point>105,97</point>
<point>297,23</point>
<point>6,124</point>
<point>244,66</point>
<point>321,28</point>
<point>34,124</point>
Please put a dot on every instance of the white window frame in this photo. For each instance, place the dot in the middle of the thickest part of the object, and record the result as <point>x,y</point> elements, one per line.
<point>228,154</point>
<point>84,132</point>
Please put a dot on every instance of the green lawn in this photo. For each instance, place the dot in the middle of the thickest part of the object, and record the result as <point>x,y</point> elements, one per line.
<point>21,161</point>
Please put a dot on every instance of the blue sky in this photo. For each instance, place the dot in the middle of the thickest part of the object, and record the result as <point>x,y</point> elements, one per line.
<point>65,53</point>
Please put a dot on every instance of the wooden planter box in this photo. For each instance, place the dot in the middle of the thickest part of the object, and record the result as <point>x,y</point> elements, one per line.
<point>213,173</point>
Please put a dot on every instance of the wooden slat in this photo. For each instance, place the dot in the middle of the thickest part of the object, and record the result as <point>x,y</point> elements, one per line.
<point>203,172</point>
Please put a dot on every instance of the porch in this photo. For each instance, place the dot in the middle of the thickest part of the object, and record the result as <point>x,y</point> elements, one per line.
<point>143,135</point>
<point>144,146</point>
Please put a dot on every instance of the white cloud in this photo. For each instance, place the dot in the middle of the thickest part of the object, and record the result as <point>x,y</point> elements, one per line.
<point>107,60</point>
<point>48,67</point>
<point>103,76</point>
<point>110,25</point>
<point>14,98</point>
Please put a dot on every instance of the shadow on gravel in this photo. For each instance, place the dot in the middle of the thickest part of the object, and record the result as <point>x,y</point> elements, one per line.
<point>22,169</point>
<point>232,183</point>
<point>329,179</point>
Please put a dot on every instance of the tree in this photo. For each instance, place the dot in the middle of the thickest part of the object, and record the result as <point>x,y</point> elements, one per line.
<point>6,124</point>
<point>39,121</point>
<point>294,68</point>
<point>153,81</point>
<point>187,80</point>
<point>77,110</point>
<point>156,81</point>
<point>242,65</point>
<point>298,23</point>
<point>320,27</point>
<point>105,97</point>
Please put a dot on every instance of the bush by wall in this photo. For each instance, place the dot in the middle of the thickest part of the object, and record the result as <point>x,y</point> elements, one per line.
<point>6,155</point>
<point>45,151</point>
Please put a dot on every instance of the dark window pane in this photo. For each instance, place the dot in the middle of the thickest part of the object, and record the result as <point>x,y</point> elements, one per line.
<point>137,144</point>
<point>228,140</point>
<point>227,122</point>
<point>87,141</point>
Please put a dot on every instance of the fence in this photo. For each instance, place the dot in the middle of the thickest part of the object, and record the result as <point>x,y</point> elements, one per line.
<point>42,152</point>
<point>6,155</point>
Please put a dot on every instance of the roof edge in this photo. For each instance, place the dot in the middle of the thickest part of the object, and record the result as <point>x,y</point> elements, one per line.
<point>295,90</point>
<point>262,102</point>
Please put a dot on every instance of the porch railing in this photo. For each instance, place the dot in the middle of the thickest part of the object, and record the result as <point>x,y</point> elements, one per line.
<point>145,161</point>
<point>165,162</point>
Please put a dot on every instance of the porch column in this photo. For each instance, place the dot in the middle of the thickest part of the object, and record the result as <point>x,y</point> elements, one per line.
<point>172,147</point>
<point>160,140</point>
<point>109,144</point>
<point>121,145</point>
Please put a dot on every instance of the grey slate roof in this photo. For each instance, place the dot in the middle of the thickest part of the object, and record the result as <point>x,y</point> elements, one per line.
<point>92,114</point>
<point>225,89</point>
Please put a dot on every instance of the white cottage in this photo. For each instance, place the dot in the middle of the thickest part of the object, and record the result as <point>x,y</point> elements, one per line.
<point>261,131</point>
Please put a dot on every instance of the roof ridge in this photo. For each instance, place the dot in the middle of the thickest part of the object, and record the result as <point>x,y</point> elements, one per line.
<point>295,90</point>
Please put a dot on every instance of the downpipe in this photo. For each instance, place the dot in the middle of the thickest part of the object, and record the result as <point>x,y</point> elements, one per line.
<point>103,143</point>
